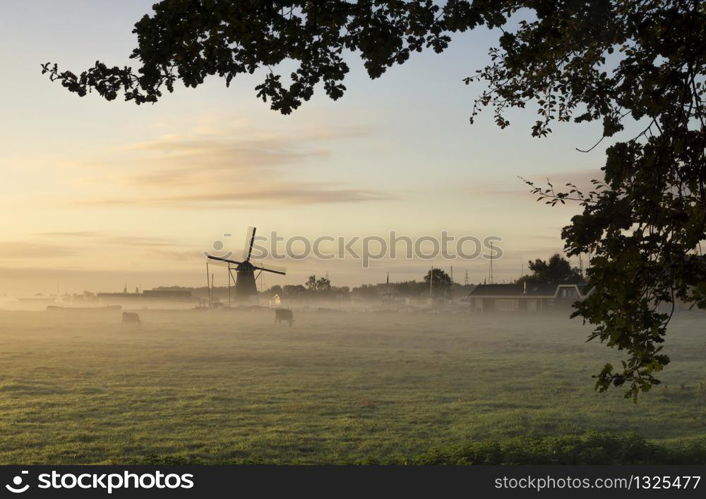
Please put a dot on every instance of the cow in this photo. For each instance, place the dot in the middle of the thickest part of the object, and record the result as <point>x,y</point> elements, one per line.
<point>131,318</point>
<point>284,315</point>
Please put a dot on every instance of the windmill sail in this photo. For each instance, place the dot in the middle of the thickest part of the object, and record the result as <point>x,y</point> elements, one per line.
<point>245,270</point>
<point>249,241</point>
<point>217,260</point>
<point>270,268</point>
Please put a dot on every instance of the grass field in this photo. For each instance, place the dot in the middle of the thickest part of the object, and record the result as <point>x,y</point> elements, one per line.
<point>230,386</point>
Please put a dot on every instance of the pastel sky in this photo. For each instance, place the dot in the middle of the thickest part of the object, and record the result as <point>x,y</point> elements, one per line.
<point>97,194</point>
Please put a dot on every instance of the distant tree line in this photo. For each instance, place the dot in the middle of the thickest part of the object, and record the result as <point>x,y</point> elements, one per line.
<point>557,270</point>
<point>441,286</point>
<point>436,283</point>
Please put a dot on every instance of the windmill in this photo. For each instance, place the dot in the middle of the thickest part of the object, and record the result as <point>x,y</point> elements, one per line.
<point>245,285</point>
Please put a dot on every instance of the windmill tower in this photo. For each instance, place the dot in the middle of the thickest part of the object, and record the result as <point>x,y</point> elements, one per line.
<point>245,285</point>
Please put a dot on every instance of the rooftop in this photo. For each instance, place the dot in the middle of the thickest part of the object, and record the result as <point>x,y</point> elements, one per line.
<point>546,290</point>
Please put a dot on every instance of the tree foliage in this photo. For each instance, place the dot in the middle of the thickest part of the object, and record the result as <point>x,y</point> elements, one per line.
<point>187,41</point>
<point>556,270</point>
<point>438,281</point>
<point>320,285</point>
<point>643,224</point>
<point>621,63</point>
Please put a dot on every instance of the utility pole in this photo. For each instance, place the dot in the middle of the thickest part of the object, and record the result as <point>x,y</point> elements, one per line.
<point>208,285</point>
<point>581,265</point>
<point>490,277</point>
<point>431,282</point>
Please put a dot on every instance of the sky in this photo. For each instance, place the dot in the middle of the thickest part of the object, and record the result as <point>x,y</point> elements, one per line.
<point>96,195</point>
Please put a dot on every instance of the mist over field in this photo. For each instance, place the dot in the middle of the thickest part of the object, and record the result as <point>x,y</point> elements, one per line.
<point>339,386</point>
<point>352,233</point>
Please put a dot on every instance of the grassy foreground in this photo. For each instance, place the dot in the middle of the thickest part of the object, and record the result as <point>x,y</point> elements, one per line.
<point>231,387</point>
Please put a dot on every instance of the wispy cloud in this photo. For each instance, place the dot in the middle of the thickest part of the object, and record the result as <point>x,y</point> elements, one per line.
<point>23,250</point>
<point>67,234</point>
<point>515,186</point>
<point>243,169</point>
<point>103,238</point>
<point>252,196</point>
<point>133,241</point>
<point>580,178</point>
<point>96,250</point>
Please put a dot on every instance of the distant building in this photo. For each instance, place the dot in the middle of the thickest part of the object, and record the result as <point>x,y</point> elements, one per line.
<point>168,294</point>
<point>148,295</point>
<point>523,298</point>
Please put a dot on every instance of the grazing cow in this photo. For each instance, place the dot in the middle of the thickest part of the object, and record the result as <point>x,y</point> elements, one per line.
<point>284,314</point>
<point>131,318</point>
